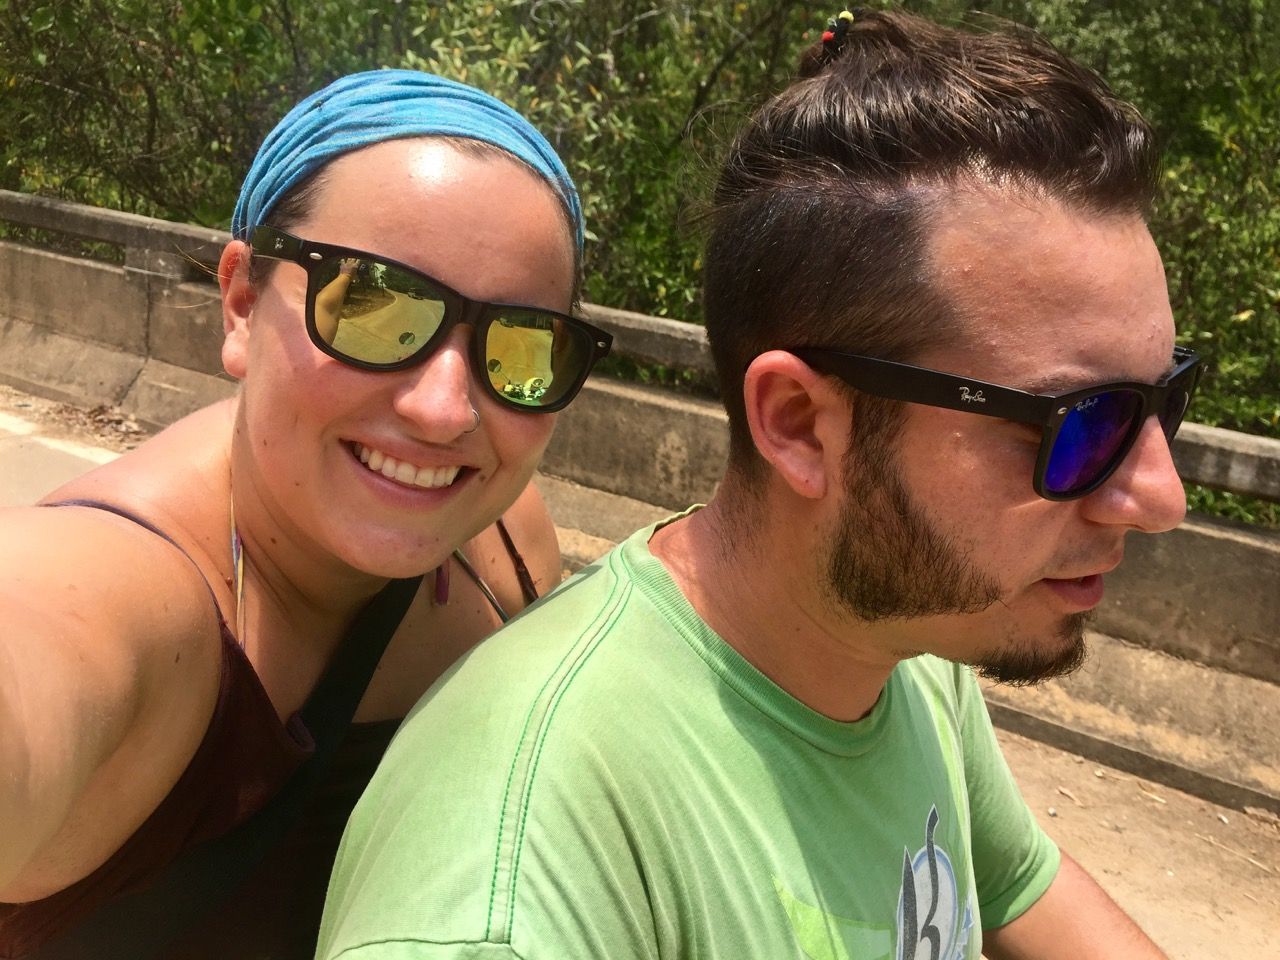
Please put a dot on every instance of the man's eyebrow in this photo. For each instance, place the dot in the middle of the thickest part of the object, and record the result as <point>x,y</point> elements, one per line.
<point>1054,383</point>
<point>1065,382</point>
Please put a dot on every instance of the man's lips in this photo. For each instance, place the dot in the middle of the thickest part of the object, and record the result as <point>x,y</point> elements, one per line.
<point>1081,593</point>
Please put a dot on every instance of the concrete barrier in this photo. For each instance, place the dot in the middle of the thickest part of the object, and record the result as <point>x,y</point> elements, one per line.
<point>144,335</point>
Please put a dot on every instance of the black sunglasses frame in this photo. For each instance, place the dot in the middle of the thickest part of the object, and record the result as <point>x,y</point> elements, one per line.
<point>1049,411</point>
<point>272,243</point>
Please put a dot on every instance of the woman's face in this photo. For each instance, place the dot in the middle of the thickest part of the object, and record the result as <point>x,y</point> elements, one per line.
<point>484,225</point>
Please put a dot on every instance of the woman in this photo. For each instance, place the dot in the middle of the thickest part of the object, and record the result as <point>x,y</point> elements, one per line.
<point>190,629</point>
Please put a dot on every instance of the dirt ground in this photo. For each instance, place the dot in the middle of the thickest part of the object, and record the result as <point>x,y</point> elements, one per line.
<point>1202,880</point>
<point>101,426</point>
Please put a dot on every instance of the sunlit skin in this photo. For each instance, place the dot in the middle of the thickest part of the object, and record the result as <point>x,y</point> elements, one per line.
<point>121,677</point>
<point>1049,298</point>
<point>495,232</point>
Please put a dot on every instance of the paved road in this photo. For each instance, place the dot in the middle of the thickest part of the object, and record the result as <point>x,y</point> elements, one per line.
<point>1203,880</point>
<point>34,458</point>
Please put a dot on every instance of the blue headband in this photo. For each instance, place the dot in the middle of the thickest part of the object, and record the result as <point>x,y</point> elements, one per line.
<point>378,105</point>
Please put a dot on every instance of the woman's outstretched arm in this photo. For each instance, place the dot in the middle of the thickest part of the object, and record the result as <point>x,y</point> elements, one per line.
<point>108,674</point>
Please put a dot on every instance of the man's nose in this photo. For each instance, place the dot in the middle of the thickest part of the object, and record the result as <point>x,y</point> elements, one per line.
<point>1145,493</point>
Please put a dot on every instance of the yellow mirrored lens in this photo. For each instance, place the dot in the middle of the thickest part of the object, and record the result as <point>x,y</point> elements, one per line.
<point>519,360</point>
<point>375,312</point>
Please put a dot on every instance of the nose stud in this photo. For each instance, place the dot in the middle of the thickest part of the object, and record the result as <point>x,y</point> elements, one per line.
<point>475,421</point>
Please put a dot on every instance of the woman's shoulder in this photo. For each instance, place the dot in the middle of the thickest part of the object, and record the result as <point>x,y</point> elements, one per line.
<point>138,537</point>
<point>111,647</point>
<point>164,471</point>
<point>176,484</point>
<point>80,571</point>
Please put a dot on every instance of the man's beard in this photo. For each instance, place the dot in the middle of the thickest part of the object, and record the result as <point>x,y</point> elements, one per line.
<point>889,562</point>
<point>1026,663</point>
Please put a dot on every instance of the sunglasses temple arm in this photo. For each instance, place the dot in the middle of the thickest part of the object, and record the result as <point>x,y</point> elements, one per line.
<point>902,381</point>
<point>272,244</point>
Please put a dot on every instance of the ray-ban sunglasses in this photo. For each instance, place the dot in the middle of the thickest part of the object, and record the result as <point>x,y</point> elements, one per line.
<point>1085,434</point>
<point>377,314</point>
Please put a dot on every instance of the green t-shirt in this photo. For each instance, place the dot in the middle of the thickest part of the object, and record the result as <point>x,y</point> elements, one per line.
<point>606,777</point>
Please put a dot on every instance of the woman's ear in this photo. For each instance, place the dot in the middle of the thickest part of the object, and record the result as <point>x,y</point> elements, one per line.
<point>238,296</point>
<point>799,422</point>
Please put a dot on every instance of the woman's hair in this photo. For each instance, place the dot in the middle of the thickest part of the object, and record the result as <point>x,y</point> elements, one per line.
<point>822,209</point>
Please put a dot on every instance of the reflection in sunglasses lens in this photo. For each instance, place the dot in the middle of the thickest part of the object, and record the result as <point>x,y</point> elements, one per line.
<point>1087,443</point>
<point>377,313</point>
<point>374,312</point>
<point>524,357</point>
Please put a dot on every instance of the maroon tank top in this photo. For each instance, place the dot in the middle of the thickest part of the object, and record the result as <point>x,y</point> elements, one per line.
<point>244,758</point>
<point>244,761</point>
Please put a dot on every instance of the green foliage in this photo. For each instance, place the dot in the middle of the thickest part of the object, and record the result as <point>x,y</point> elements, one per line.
<point>690,382</point>
<point>1242,509</point>
<point>618,87</point>
<point>158,108</point>
<point>63,243</point>
<point>1224,272</point>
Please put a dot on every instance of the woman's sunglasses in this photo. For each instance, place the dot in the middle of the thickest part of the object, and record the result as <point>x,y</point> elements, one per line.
<point>1085,434</point>
<point>377,314</point>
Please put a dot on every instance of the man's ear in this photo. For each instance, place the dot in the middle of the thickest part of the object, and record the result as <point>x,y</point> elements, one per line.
<point>238,296</point>
<point>799,422</point>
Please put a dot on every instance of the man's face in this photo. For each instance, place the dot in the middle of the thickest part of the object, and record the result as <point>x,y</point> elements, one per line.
<point>889,560</point>
<point>941,534</point>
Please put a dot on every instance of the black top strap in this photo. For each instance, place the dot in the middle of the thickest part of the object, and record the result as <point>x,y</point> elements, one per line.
<point>332,704</point>
<point>328,711</point>
<point>152,528</point>
<point>120,512</point>
<point>522,571</point>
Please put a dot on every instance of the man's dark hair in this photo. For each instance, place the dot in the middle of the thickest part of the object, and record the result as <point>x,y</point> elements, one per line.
<point>821,212</point>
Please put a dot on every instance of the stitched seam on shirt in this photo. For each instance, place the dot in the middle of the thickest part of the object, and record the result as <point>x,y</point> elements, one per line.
<point>608,620</point>
<point>560,678</point>
<point>354,950</point>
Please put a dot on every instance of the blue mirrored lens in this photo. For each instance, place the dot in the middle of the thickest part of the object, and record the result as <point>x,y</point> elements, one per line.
<point>1092,437</point>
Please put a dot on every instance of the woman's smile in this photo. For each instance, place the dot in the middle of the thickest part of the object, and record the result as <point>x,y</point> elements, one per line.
<point>402,471</point>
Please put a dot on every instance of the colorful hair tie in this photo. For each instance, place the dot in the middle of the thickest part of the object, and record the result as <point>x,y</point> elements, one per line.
<point>833,36</point>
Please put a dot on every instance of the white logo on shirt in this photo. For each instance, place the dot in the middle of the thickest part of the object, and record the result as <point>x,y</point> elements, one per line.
<point>931,923</point>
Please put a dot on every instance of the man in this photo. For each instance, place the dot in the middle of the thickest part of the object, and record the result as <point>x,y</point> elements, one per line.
<point>746,733</point>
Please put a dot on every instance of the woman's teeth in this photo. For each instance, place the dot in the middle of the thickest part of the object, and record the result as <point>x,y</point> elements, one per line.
<point>407,473</point>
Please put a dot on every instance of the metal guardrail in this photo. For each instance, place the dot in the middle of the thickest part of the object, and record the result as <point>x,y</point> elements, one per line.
<point>1221,459</point>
